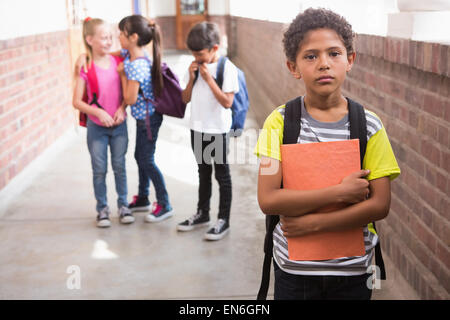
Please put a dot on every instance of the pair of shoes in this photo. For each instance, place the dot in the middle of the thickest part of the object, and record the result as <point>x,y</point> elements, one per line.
<point>159,213</point>
<point>220,229</point>
<point>139,204</point>
<point>103,218</point>
<point>125,215</point>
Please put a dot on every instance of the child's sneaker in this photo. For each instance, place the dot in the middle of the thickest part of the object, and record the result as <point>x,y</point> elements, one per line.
<point>219,231</point>
<point>197,220</point>
<point>139,204</point>
<point>159,213</point>
<point>103,218</point>
<point>125,215</point>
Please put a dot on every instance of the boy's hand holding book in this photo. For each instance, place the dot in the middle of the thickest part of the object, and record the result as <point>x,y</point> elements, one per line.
<point>354,188</point>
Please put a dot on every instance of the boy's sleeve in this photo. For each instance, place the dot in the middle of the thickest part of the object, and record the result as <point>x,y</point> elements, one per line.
<point>271,136</point>
<point>230,78</point>
<point>380,158</point>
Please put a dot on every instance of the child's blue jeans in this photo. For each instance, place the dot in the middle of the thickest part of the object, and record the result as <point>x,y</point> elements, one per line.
<point>98,140</point>
<point>145,158</point>
<point>300,287</point>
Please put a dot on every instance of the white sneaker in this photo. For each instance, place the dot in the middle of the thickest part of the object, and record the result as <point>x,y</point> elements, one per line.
<point>125,215</point>
<point>159,213</point>
<point>220,230</point>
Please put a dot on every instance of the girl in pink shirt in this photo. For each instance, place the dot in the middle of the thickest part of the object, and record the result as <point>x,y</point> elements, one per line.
<point>106,124</point>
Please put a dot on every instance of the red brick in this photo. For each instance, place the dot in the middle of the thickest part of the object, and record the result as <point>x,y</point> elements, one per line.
<point>442,182</point>
<point>434,105</point>
<point>431,128</point>
<point>431,152</point>
<point>445,160</point>
<point>435,58</point>
<point>405,51</point>
<point>412,53</point>
<point>443,60</point>
<point>419,63</point>
<point>443,135</point>
<point>424,235</point>
<point>431,195</point>
<point>444,204</point>
<point>427,56</point>
<point>411,179</point>
<point>446,105</point>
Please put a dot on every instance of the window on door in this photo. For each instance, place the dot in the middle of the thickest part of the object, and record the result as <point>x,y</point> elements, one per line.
<point>192,7</point>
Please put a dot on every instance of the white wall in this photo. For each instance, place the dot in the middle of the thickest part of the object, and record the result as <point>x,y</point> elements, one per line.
<point>20,18</point>
<point>366,16</point>
<point>219,7</point>
<point>109,10</point>
<point>162,8</point>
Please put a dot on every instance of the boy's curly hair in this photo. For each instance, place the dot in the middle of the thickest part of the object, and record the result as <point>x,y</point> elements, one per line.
<point>312,19</point>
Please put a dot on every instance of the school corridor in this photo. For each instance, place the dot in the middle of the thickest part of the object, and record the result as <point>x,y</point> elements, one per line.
<point>50,246</point>
<point>48,233</point>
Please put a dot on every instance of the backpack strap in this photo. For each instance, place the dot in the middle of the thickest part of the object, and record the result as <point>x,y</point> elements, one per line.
<point>93,85</point>
<point>358,130</point>
<point>291,131</point>
<point>292,121</point>
<point>220,71</point>
<point>147,100</point>
<point>358,126</point>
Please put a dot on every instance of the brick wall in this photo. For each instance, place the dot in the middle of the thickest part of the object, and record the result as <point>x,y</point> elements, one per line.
<point>35,98</point>
<point>407,84</point>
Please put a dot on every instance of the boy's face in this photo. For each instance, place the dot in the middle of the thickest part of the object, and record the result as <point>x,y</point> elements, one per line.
<point>205,55</point>
<point>322,62</point>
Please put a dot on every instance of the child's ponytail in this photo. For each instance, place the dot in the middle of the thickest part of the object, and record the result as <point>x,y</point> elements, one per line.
<point>157,79</point>
<point>147,31</point>
<point>89,26</point>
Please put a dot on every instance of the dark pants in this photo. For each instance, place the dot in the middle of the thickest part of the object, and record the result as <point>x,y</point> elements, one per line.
<point>298,287</point>
<point>145,158</point>
<point>209,149</point>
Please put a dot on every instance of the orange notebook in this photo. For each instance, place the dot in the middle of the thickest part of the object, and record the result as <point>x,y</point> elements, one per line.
<point>318,165</point>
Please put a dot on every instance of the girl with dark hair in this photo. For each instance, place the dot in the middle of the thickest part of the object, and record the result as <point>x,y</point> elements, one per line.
<point>142,79</point>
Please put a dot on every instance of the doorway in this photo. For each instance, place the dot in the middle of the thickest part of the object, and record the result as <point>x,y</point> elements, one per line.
<point>189,13</point>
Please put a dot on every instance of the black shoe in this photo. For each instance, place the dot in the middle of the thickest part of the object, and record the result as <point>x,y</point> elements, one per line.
<point>219,231</point>
<point>199,219</point>
<point>139,204</point>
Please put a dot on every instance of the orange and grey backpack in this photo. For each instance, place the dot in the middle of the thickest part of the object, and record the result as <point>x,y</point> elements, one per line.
<point>291,131</point>
<point>93,85</point>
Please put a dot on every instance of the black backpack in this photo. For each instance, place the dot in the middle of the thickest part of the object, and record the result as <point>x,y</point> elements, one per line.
<point>291,131</point>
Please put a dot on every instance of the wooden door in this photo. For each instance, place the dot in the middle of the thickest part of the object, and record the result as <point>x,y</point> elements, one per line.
<point>189,12</point>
